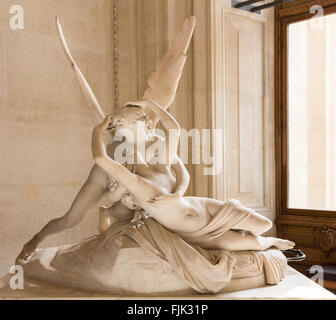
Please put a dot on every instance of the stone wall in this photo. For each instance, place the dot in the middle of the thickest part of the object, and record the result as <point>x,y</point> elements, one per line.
<point>45,126</point>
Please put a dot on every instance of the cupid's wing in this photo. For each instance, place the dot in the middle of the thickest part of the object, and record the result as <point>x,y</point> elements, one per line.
<point>164,81</point>
<point>89,96</point>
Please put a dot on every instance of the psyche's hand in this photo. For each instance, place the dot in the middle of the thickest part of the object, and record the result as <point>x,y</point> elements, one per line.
<point>107,126</point>
<point>103,134</point>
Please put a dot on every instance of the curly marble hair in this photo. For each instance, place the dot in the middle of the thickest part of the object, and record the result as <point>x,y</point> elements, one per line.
<point>133,114</point>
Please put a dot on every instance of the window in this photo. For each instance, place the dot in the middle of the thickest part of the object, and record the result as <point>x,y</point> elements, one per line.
<point>305,117</point>
<point>311,113</point>
<point>305,86</point>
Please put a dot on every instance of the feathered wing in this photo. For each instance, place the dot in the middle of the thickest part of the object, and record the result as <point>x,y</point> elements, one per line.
<point>89,96</point>
<point>164,81</point>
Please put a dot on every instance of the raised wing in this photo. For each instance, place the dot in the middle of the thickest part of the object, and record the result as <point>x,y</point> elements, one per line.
<point>164,81</point>
<point>89,96</point>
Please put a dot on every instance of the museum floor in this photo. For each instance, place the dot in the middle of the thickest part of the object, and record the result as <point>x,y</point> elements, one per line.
<point>294,286</point>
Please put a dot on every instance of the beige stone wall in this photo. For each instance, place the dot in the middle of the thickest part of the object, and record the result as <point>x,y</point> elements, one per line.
<point>45,125</point>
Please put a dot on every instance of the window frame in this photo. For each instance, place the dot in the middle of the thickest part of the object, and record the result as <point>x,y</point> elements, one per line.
<point>285,15</point>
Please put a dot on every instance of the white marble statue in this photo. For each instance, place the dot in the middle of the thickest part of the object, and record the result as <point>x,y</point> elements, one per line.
<point>201,243</point>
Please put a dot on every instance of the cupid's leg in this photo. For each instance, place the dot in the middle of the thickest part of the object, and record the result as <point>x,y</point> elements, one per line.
<point>89,195</point>
<point>237,240</point>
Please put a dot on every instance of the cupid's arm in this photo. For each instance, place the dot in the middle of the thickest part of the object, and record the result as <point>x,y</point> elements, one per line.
<point>182,182</point>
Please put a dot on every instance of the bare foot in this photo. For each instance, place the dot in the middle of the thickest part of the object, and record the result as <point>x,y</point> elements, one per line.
<point>283,244</point>
<point>27,251</point>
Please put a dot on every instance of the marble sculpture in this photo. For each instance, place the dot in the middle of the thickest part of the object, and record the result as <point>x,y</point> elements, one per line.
<point>152,239</point>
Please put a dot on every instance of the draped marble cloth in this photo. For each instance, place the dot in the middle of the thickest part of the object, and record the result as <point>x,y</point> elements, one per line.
<point>204,270</point>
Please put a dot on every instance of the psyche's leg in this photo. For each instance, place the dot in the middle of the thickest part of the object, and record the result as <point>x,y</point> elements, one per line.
<point>256,224</point>
<point>237,240</point>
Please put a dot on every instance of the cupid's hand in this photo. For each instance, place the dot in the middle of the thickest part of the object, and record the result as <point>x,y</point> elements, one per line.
<point>28,250</point>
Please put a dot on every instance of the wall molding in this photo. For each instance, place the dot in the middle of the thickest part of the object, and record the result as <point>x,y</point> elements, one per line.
<point>115,48</point>
<point>201,73</point>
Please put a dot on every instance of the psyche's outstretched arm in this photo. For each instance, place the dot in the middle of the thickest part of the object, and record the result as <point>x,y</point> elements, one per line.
<point>132,182</point>
<point>89,96</point>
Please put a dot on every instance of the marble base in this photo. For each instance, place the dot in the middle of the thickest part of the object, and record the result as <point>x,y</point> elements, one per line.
<point>294,286</point>
<point>136,272</point>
